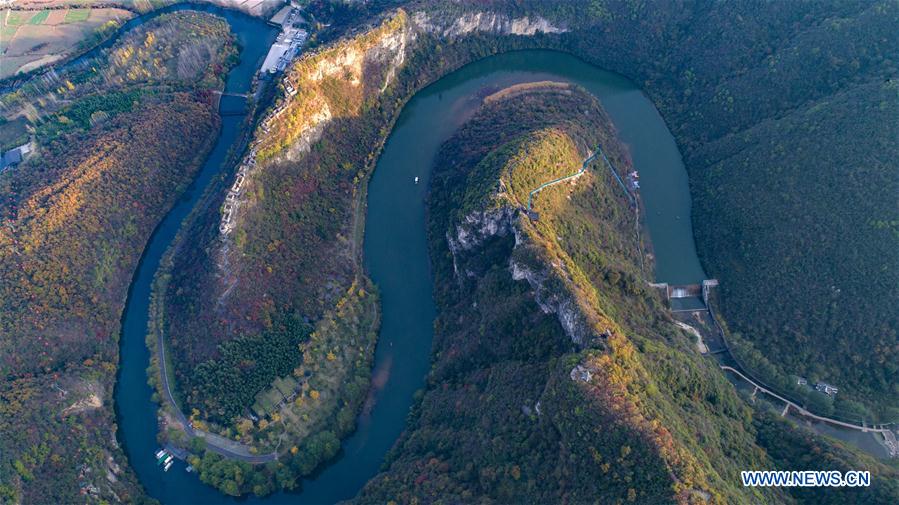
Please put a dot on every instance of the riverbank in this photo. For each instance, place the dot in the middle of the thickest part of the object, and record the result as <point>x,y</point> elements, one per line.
<point>77,217</point>
<point>541,322</point>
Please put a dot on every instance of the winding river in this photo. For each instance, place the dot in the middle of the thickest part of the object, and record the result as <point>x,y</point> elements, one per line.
<point>395,253</point>
<point>135,410</point>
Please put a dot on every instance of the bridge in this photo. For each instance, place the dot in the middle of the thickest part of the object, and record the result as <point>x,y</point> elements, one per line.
<point>223,93</point>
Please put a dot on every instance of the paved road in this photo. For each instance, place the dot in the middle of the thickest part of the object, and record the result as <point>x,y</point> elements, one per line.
<point>801,410</point>
<point>545,185</point>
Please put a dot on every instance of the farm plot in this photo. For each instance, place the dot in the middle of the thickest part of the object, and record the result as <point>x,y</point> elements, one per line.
<point>33,38</point>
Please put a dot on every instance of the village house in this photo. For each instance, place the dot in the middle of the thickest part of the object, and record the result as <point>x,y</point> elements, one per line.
<point>826,388</point>
<point>15,156</point>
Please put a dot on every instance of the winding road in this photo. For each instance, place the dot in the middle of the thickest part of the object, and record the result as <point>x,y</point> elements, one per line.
<point>800,409</point>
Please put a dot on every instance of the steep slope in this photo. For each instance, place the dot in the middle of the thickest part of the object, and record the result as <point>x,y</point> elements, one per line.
<point>796,192</point>
<point>293,252</point>
<point>557,376</point>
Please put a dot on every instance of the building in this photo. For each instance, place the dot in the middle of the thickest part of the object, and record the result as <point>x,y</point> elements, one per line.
<point>826,388</point>
<point>285,48</point>
<point>802,381</point>
<point>15,156</point>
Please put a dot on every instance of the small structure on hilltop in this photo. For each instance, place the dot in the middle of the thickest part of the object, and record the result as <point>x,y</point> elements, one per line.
<point>581,373</point>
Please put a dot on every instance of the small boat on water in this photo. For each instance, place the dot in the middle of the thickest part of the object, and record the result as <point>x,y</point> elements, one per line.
<point>159,453</point>
<point>189,469</point>
<point>167,466</point>
<point>416,179</point>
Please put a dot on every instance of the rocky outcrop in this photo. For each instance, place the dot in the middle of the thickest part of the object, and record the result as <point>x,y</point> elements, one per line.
<point>485,22</point>
<point>553,297</point>
<point>480,225</point>
<point>309,132</point>
<point>550,291</point>
<point>364,65</point>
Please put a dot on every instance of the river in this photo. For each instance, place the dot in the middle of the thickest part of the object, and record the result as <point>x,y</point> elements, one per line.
<point>136,412</point>
<point>396,258</point>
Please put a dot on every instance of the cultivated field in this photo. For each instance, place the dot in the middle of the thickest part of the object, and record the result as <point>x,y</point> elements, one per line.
<point>50,30</point>
<point>263,8</point>
<point>32,38</point>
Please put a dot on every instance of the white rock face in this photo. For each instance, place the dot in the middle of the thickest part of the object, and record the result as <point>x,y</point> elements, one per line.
<point>581,373</point>
<point>393,49</point>
<point>345,64</point>
<point>554,300</point>
<point>311,132</point>
<point>348,64</point>
<point>477,227</point>
<point>489,22</point>
<point>549,291</point>
<point>528,26</point>
<point>480,225</point>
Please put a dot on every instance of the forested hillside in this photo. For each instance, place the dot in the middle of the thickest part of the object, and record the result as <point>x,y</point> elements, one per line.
<point>790,147</point>
<point>507,415</point>
<point>779,109</point>
<point>557,376</point>
<point>815,192</point>
<point>111,158</point>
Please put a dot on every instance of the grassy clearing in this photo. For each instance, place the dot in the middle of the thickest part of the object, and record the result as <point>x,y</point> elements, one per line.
<point>16,18</point>
<point>77,15</point>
